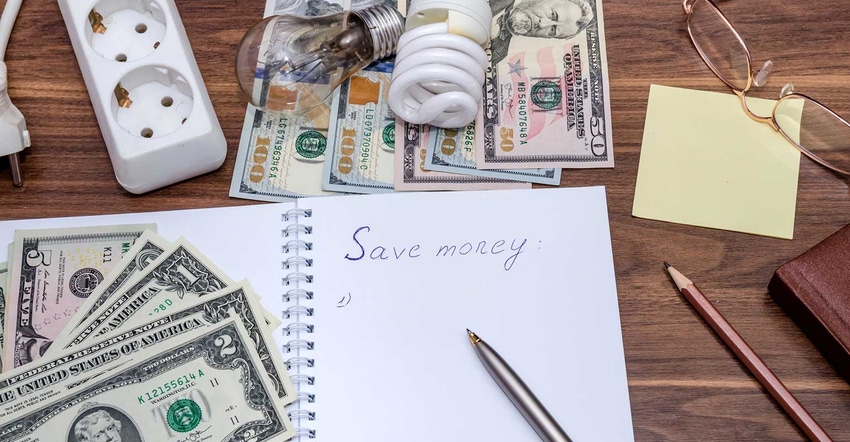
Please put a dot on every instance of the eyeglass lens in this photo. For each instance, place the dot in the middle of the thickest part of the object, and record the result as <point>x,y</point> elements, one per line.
<point>821,132</point>
<point>718,44</point>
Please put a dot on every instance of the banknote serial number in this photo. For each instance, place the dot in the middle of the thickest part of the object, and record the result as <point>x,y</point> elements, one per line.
<point>187,380</point>
<point>163,306</point>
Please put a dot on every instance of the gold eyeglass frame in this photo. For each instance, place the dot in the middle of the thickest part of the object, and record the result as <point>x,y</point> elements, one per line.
<point>786,94</point>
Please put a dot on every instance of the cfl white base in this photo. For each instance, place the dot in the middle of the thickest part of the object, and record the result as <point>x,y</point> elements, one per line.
<point>168,131</point>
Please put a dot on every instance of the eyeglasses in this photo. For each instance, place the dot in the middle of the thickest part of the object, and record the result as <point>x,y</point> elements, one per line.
<point>823,135</point>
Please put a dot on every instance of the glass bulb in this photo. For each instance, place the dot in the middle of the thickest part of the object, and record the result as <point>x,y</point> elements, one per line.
<point>292,64</point>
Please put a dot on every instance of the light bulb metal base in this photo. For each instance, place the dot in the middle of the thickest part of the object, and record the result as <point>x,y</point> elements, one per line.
<point>385,25</point>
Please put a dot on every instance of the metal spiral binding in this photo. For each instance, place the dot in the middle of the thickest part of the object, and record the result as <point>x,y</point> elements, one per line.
<point>297,332</point>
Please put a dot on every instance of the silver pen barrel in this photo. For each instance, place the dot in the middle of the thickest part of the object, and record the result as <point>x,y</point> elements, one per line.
<point>519,393</point>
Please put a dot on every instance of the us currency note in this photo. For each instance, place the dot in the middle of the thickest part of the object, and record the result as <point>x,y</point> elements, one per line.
<point>209,384</point>
<point>52,375</point>
<point>180,275</point>
<point>281,157</point>
<point>4,282</point>
<point>362,134</point>
<point>453,150</point>
<point>546,99</point>
<point>315,8</point>
<point>411,175</point>
<point>146,249</point>
<point>53,271</point>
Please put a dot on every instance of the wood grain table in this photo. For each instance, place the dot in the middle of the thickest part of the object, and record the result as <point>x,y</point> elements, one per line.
<point>683,383</point>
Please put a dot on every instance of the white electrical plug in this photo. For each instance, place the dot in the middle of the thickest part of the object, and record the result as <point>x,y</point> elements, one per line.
<point>14,136</point>
<point>152,107</point>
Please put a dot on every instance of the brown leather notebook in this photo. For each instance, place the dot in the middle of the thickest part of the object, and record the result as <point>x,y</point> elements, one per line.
<point>814,290</point>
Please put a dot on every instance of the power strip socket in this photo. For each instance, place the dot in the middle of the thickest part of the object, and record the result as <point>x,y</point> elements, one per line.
<point>151,104</point>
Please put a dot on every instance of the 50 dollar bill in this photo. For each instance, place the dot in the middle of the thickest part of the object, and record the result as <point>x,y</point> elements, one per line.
<point>546,99</point>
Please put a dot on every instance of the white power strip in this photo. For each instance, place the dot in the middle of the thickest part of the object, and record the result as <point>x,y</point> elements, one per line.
<point>153,109</point>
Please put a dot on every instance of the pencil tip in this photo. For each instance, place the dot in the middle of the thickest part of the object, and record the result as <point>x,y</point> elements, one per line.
<point>666,265</point>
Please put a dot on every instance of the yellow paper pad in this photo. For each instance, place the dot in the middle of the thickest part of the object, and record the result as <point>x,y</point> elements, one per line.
<point>703,162</point>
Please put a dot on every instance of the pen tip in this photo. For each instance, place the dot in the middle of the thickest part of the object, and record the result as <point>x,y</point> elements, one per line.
<point>666,265</point>
<point>473,338</point>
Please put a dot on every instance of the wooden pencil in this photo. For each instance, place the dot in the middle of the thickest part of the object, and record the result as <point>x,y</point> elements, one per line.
<point>749,357</point>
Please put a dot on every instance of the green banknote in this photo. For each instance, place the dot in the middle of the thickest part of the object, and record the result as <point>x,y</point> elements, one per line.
<point>362,134</point>
<point>281,157</point>
<point>453,150</point>
<point>53,272</point>
<point>4,282</point>
<point>546,94</point>
<point>208,384</point>
<point>146,250</point>
<point>411,174</point>
<point>72,367</point>
<point>178,277</point>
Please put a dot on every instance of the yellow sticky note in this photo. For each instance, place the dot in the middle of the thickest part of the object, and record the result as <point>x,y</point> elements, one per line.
<point>703,162</point>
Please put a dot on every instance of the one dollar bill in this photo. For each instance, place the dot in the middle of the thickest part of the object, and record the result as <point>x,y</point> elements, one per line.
<point>178,277</point>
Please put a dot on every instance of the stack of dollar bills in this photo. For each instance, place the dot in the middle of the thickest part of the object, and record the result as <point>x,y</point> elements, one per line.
<point>114,333</point>
<point>546,106</point>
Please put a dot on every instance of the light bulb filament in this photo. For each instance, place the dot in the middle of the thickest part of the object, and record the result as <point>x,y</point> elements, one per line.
<point>300,62</point>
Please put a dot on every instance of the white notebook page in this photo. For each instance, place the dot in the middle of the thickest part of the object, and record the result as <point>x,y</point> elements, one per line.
<point>395,362</point>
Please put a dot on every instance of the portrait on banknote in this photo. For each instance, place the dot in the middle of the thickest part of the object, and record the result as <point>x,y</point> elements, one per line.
<point>317,8</point>
<point>536,19</point>
<point>306,8</point>
<point>103,423</point>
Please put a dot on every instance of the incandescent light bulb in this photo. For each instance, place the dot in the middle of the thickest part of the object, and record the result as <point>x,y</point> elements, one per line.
<point>293,64</point>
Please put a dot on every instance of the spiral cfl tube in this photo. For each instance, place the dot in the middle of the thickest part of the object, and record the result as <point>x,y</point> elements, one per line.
<point>438,77</point>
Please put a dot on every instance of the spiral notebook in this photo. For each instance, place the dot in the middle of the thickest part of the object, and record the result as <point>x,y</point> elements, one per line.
<point>376,293</point>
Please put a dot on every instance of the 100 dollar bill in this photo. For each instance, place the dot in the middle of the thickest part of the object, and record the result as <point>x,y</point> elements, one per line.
<point>53,272</point>
<point>205,385</point>
<point>546,99</point>
<point>411,174</point>
<point>362,134</point>
<point>453,150</point>
<point>4,282</point>
<point>281,156</point>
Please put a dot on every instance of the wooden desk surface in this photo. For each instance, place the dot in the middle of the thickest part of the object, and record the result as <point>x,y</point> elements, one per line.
<point>684,384</point>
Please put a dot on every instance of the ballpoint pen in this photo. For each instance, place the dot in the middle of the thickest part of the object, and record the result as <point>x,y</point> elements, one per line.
<point>519,393</point>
